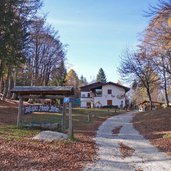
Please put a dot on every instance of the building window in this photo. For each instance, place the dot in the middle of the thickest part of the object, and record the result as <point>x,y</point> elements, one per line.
<point>109,102</point>
<point>109,91</point>
<point>98,92</point>
<point>83,95</point>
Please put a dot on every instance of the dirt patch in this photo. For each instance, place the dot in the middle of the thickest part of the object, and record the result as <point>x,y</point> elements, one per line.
<point>156,127</point>
<point>116,130</point>
<point>125,150</point>
<point>8,113</point>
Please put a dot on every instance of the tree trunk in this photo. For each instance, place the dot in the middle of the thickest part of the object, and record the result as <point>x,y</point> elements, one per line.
<point>15,83</point>
<point>165,88</point>
<point>165,83</point>
<point>1,84</point>
<point>9,86</point>
<point>4,90</point>
<point>149,96</point>
<point>1,77</point>
<point>6,84</point>
<point>170,63</point>
<point>36,62</point>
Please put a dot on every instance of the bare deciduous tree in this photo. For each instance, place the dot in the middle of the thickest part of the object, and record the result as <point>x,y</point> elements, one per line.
<point>137,66</point>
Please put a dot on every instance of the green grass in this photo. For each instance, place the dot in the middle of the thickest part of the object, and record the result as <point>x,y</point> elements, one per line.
<point>50,118</point>
<point>80,117</point>
<point>77,113</point>
<point>94,111</point>
<point>11,132</point>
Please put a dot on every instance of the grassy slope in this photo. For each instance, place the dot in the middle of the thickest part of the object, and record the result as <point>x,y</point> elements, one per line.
<point>19,152</point>
<point>156,126</point>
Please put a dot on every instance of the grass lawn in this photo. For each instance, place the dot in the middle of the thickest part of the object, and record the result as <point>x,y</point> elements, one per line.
<point>11,132</point>
<point>82,118</point>
<point>156,126</point>
<point>20,152</point>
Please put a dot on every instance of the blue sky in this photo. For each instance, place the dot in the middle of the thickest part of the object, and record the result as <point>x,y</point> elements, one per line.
<point>97,31</point>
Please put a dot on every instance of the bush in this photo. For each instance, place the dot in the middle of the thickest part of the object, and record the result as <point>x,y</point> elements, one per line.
<point>110,106</point>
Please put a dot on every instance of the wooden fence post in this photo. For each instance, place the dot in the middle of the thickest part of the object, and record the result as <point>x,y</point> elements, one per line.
<point>89,117</point>
<point>20,111</point>
<point>70,121</point>
<point>64,117</point>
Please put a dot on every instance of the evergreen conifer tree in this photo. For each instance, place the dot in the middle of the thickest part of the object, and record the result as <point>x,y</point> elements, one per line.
<point>101,77</point>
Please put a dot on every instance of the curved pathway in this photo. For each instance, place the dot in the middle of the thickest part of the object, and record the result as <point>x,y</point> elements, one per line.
<point>145,156</point>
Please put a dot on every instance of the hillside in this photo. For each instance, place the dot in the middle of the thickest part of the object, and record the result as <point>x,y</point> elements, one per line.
<point>20,152</point>
<point>156,126</point>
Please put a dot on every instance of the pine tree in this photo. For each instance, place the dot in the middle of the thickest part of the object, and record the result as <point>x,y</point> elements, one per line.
<point>15,19</point>
<point>59,75</point>
<point>83,81</point>
<point>101,77</point>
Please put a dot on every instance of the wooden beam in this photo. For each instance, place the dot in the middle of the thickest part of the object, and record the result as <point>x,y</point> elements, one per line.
<point>43,96</point>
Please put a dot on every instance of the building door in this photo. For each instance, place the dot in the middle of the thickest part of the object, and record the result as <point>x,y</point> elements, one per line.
<point>109,102</point>
<point>121,106</point>
<point>89,104</point>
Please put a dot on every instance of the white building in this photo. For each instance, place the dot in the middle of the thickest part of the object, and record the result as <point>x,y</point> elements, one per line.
<point>103,94</point>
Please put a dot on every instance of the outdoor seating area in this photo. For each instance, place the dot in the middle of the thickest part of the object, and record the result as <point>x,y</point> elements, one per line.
<point>27,114</point>
<point>145,106</point>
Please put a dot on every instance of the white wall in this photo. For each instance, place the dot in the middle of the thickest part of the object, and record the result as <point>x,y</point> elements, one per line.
<point>102,101</point>
<point>83,104</point>
<point>84,99</point>
<point>115,92</point>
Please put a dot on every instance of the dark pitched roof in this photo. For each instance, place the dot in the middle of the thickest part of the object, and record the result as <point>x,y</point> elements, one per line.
<point>100,84</point>
<point>147,101</point>
<point>118,85</point>
<point>44,90</point>
<point>91,86</point>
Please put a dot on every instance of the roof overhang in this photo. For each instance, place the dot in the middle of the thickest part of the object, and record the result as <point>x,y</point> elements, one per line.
<point>43,90</point>
<point>100,84</point>
<point>118,85</point>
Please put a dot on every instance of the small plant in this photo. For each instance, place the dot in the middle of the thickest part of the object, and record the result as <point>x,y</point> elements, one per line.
<point>71,137</point>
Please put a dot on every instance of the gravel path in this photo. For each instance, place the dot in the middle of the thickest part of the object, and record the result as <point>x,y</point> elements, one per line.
<point>145,157</point>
